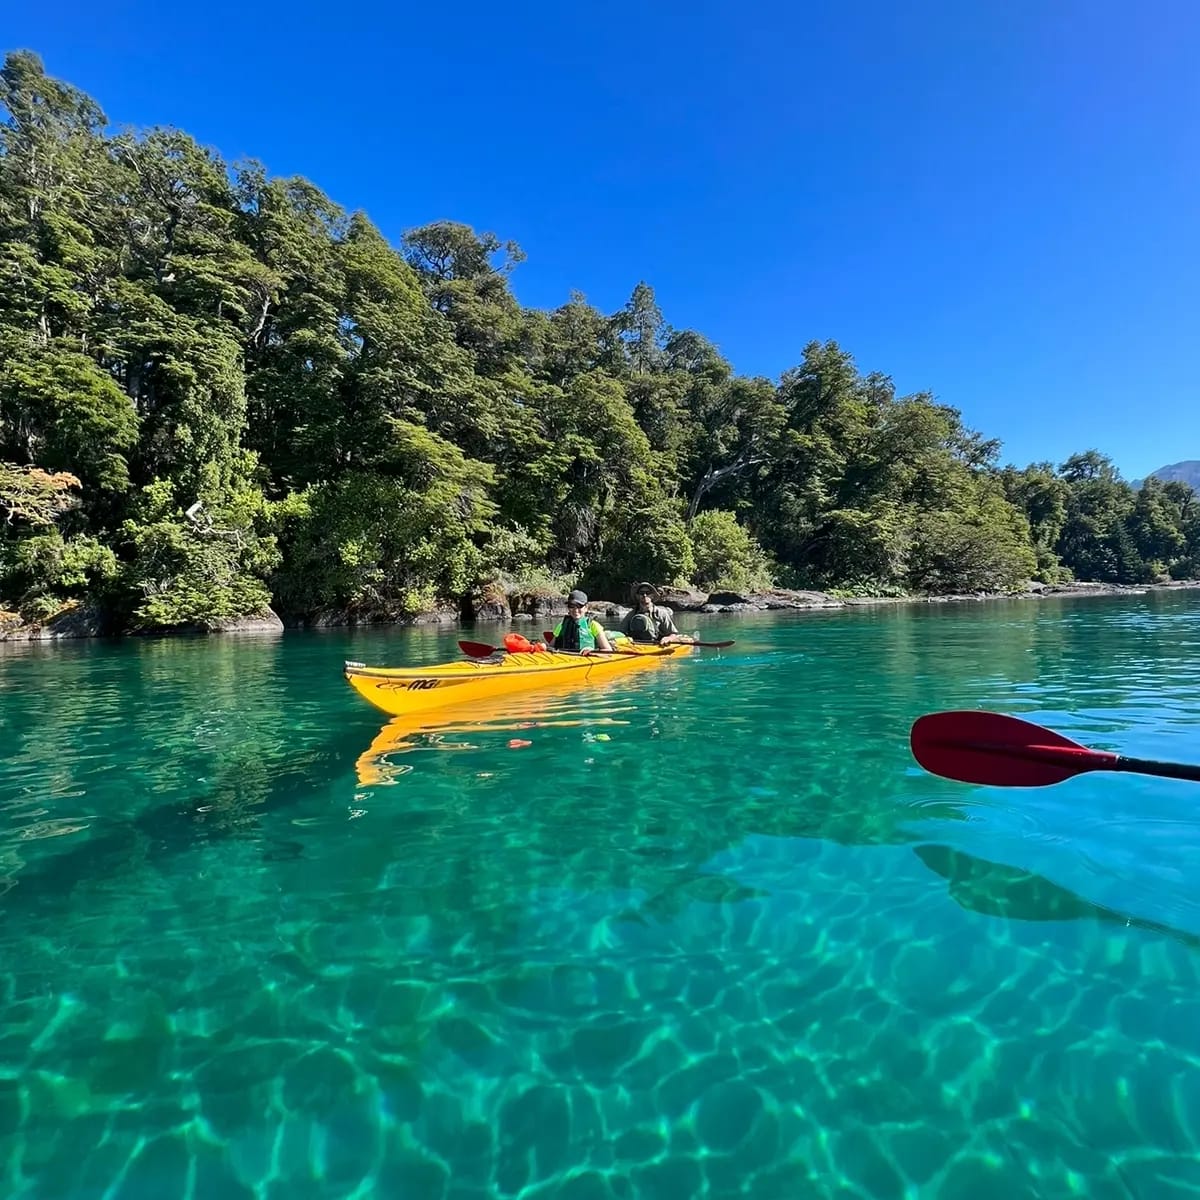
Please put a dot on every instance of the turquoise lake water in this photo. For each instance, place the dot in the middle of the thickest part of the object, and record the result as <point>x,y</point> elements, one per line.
<point>711,933</point>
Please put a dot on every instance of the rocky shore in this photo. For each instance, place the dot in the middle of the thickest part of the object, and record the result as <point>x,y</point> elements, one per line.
<point>529,606</point>
<point>88,621</point>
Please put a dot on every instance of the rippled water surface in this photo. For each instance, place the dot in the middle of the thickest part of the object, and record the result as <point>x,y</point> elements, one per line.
<point>710,932</point>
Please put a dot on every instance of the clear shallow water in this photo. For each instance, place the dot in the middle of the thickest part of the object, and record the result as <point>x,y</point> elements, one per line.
<point>711,933</point>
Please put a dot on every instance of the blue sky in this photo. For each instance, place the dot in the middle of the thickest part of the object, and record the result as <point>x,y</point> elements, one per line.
<point>992,200</point>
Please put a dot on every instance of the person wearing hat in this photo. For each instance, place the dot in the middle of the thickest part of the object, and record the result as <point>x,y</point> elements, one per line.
<point>579,632</point>
<point>650,622</point>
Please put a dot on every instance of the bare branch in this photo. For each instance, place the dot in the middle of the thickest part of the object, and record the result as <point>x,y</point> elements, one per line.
<point>714,475</point>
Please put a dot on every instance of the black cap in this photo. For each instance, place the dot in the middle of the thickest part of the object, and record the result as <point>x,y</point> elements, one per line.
<point>577,597</point>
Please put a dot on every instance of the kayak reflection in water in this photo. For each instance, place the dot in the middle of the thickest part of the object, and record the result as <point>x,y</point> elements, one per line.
<point>651,622</point>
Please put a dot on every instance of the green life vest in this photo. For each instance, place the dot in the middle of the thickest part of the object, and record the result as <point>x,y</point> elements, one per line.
<point>584,636</point>
<point>643,626</point>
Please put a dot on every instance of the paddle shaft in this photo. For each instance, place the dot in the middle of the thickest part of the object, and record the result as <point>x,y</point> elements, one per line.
<point>710,645</point>
<point>1090,760</point>
<point>1149,766</point>
<point>587,653</point>
<point>483,650</point>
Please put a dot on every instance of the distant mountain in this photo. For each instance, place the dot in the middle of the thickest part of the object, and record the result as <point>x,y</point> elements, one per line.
<point>1183,472</point>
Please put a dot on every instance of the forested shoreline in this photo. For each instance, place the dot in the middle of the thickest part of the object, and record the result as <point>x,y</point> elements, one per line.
<point>221,393</point>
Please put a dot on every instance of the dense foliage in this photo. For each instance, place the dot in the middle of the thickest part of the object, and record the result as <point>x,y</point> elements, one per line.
<point>218,390</point>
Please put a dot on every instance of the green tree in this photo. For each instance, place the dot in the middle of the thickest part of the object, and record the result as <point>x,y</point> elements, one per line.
<point>578,339</point>
<point>295,354</point>
<point>644,539</point>
<point>727,554</point>
<point>982,546</point>
<point>465,276</point>
<point>1154,527</point>
<point>52,166</point>
<point>60,409</point>
<point>183,569</point>
<point>1095,542</point>
<point>41,570</point>
<point>219,389</point>
<point>642,331</point>
<point>1043,497</point>
<point>388,541</point>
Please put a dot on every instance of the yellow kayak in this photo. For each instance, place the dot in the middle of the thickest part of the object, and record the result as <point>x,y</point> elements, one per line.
<point>404,690</point>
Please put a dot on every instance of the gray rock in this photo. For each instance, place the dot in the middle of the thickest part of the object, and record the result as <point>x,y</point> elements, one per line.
<point>773,599</point>
<point>438,616</point>
<point>604,608</point>
<point>787,598</point>
<point>1094,589</point>
<point>490,611</point>
<point>683,599</point>
<point>332,618</point>
<point>85,621</point>
<point>327,618</point>
<point>726,598</point>
<point>487,603</point>
<point>266,621</point>
<point>537,604</point>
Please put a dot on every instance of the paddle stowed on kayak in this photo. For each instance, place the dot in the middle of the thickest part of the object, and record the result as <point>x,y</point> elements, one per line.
<point>403,690</point>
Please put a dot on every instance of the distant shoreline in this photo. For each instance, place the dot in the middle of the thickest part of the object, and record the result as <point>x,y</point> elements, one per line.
<point>780,599</point>
<point>529,609</point>
<point>1070,591</point>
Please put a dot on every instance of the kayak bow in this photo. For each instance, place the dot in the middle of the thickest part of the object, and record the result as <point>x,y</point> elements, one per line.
<point>403,690</point>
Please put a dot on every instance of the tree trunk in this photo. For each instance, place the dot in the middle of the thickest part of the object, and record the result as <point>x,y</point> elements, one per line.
<point>713,476</point>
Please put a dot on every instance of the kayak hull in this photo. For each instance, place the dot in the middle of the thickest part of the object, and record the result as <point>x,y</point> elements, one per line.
<point>401,691</point>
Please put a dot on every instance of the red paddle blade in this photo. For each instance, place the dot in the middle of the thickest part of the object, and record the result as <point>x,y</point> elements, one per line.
<point>548,634</point>
<point>985,747</point>
<point>477,649</point>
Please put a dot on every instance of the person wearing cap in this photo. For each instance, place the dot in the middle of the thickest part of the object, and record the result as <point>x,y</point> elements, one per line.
<point>579,632</point>
<point>650,622</point>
